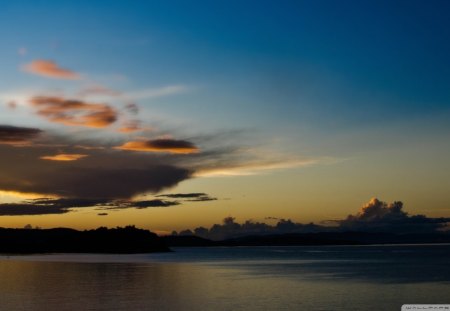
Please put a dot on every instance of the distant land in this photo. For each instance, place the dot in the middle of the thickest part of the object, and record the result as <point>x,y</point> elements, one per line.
<point>319,238</point>
<point>131,240</point>
<point>126,240</point>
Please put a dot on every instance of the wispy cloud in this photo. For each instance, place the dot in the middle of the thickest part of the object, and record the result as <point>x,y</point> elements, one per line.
<point>50,69</point>
<point>22,51</point>
<point>252,167</point>
<point>96,89</point>
<point>131,127</point>
<point>156,92</point>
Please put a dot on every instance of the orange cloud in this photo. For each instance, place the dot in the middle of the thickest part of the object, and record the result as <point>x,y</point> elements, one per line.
<point>64,157</point>
<point>74,112</point>
<point>50,69</point>
<point>161,145</point>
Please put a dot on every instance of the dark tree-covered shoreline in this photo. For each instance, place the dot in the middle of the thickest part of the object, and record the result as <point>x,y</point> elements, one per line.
<point>127,240</point>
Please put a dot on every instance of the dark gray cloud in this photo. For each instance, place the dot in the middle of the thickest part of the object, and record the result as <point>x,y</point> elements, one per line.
<point>14,134</point>
<point>191,197</point>
<point>102,174</point>
<point>22,209</point>
<point>45,206</point>
<point>101,171</point>
<point>153,203</point>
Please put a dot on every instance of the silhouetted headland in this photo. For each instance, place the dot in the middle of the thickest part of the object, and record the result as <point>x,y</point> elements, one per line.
<point>126,240</point>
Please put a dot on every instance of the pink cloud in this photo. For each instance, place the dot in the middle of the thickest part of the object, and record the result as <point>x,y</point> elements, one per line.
<point>50,69</point>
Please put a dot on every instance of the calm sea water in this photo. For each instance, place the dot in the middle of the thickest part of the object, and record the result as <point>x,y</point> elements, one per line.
<point>240,278</point>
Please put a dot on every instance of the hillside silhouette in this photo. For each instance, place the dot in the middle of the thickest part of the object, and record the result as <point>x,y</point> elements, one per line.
<point>127,240</point>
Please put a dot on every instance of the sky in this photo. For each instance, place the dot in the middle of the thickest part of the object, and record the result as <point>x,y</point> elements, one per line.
<point>174,115</point>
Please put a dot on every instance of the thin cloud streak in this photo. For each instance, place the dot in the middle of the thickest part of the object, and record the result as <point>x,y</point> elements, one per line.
<point>161,145</point>
<point>156,92</point>
<point>64,157</point>
<point>50,69</point>
<point>253,167</point>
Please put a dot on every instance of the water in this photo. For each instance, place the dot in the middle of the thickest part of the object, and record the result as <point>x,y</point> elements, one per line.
<point>241,278</point>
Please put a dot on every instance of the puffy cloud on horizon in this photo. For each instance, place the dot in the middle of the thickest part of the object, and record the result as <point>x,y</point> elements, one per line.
<point>160,145</point>
<point>50,69</point>
<point>74,112</point>
<point>375,216</point>
<point>380,216</point>
<point>231,229</point>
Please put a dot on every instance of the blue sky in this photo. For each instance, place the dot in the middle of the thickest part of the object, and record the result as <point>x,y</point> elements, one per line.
<point>324,80</point>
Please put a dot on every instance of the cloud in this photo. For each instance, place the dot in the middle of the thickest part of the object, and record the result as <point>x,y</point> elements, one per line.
<point>153,203</point>
<point>20,209</point>
<point>132,108</point>
<point>106,172</point>
<point>156,92</point>
<point>131,127</point>
<point>74,112</point>
<point>121,204</point>
<point>191,197</point>
<point>161,145</point>
<point>44,206</point>
<point>50,69</point>
<point>243,167</point>
<point>375,216</point>
<point>12,105</point>
<point>64,157</point>
<point>380,216</point>
<point>22,51</point>
<point>99,90</point>
<point>89,147</point>
<point>98,182</point>
<point>17,135</point>
<point>231,229</point>
<point>101,174</point>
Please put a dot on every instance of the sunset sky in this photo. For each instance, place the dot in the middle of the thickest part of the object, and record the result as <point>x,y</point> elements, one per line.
<point>175,114</point>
